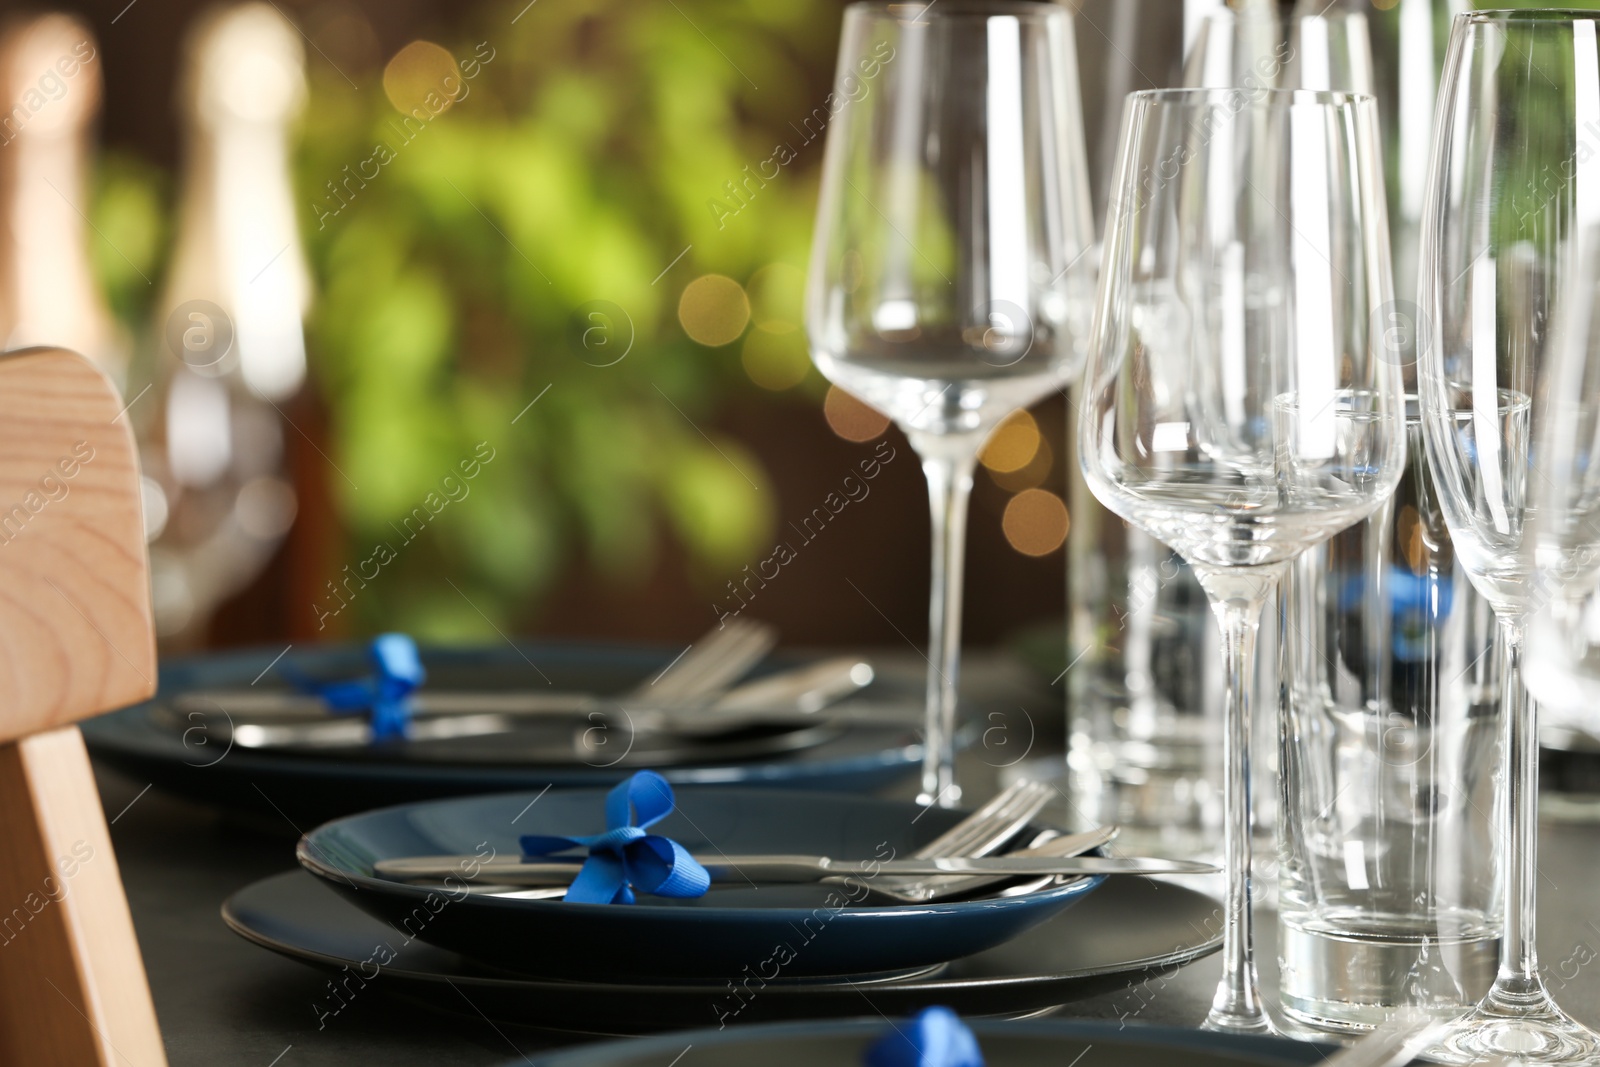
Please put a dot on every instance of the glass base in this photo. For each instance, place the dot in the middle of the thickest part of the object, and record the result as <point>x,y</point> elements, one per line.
<point>1228,1022</point>
<point>1348,970</point>
<point>1538,1032</point>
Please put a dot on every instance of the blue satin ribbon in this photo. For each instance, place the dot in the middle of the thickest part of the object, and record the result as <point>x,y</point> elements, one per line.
<point>935,1037</point>
<point>625,858</point>
<point>386,696</point>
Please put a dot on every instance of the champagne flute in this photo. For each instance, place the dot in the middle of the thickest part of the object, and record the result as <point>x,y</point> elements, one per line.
<point>951,277</point>
<point>1513,178</point>
<point>1236,404</point>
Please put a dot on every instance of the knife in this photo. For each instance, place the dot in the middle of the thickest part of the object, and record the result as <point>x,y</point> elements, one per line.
<point>787,696</point>
<point>786,868</point>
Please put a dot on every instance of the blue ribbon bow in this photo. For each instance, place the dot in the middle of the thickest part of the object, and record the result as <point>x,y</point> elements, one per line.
<point>625,858</point>
<point>935,1037</point>
<point>387,695</point>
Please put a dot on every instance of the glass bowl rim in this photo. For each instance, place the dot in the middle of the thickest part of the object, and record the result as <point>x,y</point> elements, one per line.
<point>1532,14</point>
<point>956,9</point>
<point>1202,96</point>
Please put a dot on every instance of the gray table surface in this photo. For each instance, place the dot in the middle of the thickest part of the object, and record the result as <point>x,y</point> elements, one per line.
<point>222,1000</point>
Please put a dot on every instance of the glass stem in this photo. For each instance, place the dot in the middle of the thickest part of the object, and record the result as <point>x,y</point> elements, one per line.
<point>1518,986</point>
<point>1237,598</point>
<point>948,461</point>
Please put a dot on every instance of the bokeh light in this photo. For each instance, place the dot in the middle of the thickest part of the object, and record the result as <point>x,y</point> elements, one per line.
<point>714,310</point>
<point>777,297</point>
<point>850,418</point>
<point>1012,445</point>
<point>422,75</point>
<point>1412,540</point>
<point>776,361</point>
<point>1036,472</point>
<point>1035,522</point>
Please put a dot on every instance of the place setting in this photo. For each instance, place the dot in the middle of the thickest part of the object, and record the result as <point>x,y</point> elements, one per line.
<point>736,905</point>
<point>338,729</point>
<point>1244,362</point>
<point>937,1037</point>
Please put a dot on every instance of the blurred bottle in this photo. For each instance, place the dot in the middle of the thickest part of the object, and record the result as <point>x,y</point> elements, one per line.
<point>51,86</point>
<point>1407,52</point>
<point>227,348</point>
<point>1235,45</point>
<point>1143,691</point>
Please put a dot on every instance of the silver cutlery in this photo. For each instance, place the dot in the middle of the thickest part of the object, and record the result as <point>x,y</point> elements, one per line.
<point>979,834</point>
<point>1048,843</point>
<point>1393,1043</point>
<point>813,686</point>
<point>992,824</point>
<point>352,732</point>
<point>691,697</point>
<point>796,868</point>
<point>700,677</point>
<point>794,695</point>
<point>709,666</point>
<point>982,832</point>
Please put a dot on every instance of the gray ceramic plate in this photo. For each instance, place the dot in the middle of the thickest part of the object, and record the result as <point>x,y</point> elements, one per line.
<point>1039,1043</point>
<point>1137,929</point>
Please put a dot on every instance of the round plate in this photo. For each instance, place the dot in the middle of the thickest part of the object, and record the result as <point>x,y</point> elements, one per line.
<point>1004,1044</point>
<point>1137,928</point>
<point>198,763</point>
<point>794,930</point>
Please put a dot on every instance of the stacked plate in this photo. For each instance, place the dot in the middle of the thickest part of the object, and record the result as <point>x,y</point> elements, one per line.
<point>743,952</point>
<point>1016,1044</point>
<point>198,738</point>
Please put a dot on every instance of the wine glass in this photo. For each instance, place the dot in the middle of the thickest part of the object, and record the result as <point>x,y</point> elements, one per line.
<point>1236,404</point>
<point>1512,179</point>
<point>951,277</point>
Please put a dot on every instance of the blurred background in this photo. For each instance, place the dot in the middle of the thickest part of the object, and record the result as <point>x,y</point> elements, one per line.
<point>549,261</point>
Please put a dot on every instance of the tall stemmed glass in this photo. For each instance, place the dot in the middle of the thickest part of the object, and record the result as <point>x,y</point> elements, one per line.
<point>951,280</point>
<point>1236,406</point>
<point>1515,174</point>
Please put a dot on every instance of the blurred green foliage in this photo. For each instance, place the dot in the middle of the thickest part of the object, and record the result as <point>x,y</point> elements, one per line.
<point>459,284</point>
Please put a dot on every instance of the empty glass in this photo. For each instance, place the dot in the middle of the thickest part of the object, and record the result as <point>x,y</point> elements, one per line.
<point>1234,406</point>
<point>1513,177</point>
<point>1386,894</point>
<point>1389,717</point>
<point>951,278</point>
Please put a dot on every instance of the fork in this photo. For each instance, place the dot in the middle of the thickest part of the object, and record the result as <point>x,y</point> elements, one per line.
<point>701,674</point>
<point>1394,1042</point>
<point>979,834</point>
<point>1049,843</point>
<point>708,667</point>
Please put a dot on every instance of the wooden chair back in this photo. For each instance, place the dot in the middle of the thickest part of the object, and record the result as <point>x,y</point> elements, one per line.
<point>76,639</point>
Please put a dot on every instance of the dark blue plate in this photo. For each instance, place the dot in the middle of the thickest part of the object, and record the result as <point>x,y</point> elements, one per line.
<point>196,761</point>
<point>1029,1043</point>
<point>732,933</point>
